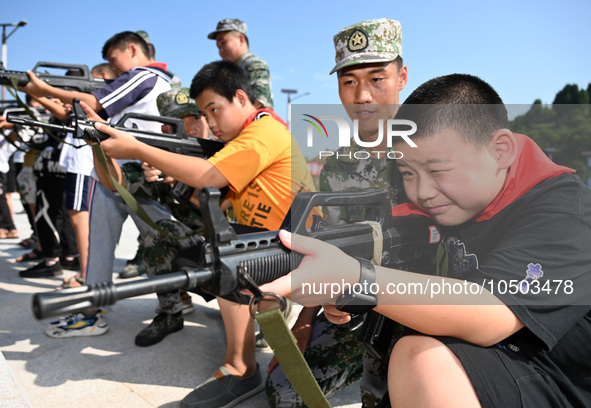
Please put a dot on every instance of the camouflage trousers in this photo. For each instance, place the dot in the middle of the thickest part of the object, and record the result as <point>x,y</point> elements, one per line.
<point>159,250</point>
<point>336,359</point>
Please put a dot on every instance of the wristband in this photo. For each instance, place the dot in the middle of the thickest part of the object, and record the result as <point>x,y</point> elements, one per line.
<point>356,302</point>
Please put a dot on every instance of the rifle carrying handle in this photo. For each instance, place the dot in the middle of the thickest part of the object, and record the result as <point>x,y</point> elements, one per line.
<point>81,67</point>
<point>304,203</point>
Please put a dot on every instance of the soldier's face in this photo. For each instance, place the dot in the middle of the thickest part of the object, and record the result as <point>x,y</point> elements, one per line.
<point>371,92</point>
<point>229,45</point>
<point>195,126</point>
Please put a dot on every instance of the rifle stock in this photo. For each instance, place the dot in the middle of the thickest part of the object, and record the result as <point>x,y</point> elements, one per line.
<point>227,257</point>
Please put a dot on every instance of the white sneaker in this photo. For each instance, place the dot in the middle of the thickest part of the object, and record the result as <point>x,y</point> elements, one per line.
<point>77,325</point>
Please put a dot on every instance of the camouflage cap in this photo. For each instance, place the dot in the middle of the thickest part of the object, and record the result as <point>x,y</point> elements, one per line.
<point>228,24</point>
<point>176,103</point>
<point>368,42</point>
<point>144,36</point>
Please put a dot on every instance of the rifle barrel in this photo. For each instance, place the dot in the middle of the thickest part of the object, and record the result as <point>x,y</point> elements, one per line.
<point>66,301</point>
<point>20,120</point>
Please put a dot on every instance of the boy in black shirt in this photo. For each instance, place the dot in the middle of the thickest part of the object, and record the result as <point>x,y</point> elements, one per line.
<point>513,326</point>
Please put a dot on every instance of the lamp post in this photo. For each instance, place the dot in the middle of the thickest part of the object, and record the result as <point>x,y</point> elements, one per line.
<point>290,92</point>
<point>5,37</point>
<point>587,180</point>
<point>549,151</point>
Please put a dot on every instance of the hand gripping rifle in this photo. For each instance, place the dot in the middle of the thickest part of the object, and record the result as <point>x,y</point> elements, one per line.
<point>234,262</point>
<point>176,142</point>
<point>77,77</point>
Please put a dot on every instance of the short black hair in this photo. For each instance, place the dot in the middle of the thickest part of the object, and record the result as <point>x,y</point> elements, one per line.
<point>399,63</point>
<point>151,51</point>
<point>103,67</point>
<point>461,102</point>
<point>223,78</point>
<point>122,40</point>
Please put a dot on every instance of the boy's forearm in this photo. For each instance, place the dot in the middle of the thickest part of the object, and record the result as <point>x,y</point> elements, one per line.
<point>55,109</point>
<point>193,171</point>
<point>114,171</point>
<point>68,97</point>
<point>481,319</point>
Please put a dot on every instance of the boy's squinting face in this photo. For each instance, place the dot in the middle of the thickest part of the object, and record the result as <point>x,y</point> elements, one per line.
<point>453,181</point>
<point>225,118</point>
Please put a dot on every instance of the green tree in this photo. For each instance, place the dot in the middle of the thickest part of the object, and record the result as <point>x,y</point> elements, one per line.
<point>571,94</point>
<point>563,128</point>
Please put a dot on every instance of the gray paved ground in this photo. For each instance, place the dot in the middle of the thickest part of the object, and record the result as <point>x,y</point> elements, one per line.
<point>108,370</point>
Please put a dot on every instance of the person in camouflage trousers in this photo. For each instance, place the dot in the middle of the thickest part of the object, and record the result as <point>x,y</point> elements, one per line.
<point>232,41</point>
<point>371,75</point>
<point>159,248</point>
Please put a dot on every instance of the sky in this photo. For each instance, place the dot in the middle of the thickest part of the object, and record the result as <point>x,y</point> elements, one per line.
<point>526,50</point>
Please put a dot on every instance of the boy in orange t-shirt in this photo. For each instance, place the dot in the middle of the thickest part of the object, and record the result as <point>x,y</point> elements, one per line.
<point>264,169</point>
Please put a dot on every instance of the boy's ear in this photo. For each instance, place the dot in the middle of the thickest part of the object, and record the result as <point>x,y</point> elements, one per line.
<point>241,97</point>
<point>132,49</point>
<point>402,77</point>
<point>503,147</point>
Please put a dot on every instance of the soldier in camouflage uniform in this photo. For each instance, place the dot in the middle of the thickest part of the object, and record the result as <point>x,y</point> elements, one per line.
<point>371,75</point>
<point>159,249</point>
<point>232,42</point>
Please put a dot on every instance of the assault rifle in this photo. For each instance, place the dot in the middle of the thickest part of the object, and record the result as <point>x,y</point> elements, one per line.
<point>234,262</point>
<point>39,113</point>
<point>75,77</point>
<point>176,142</point>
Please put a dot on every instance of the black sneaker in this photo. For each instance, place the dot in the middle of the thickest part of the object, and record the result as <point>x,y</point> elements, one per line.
<point>41,270</point>
<point>224,390</point>
<point>70,264</point>
<point>162,325</point>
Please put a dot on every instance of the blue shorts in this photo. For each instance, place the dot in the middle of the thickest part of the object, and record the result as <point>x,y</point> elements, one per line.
<point>77,191</point>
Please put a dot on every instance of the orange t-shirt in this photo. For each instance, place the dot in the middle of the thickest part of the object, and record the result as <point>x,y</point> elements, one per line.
<point>266,169</point>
